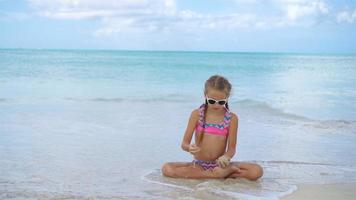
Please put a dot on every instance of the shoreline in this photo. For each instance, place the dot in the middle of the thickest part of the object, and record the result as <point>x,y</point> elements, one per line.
<point>345,191</point>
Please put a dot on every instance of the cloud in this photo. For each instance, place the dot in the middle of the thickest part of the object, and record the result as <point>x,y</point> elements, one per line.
<point>346,16</point>
<point>306,9</point>
<point>116,16</point>
<point>143,16</point>
<point>87,9</point>
<point>183,21</point>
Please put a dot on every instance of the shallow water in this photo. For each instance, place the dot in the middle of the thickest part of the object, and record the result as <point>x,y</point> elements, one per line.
<point>75,124</point>
<point>91,150</point>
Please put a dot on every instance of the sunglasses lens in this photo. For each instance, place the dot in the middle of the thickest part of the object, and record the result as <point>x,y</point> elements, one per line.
<point>211,101</point>
<point>222,102</point>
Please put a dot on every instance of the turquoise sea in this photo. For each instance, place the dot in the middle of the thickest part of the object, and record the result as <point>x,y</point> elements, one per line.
<point>98,124</point>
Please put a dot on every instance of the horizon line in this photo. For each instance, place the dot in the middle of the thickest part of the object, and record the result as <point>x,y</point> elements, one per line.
<point>179,51</point>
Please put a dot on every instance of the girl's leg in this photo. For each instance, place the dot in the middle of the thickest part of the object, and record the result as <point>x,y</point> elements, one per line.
<point>178,164</point>
<point>247,170</point>
<point>168,169</point>
<point>189,170</point>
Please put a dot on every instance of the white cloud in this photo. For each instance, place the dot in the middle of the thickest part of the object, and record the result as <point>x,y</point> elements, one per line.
<point>142,16</point>
<point>85,9</point>
<point>116,16</point>
<point>346,16</point>
<point>299,10</point>
<point>183,21</point>
<point>288,12</point>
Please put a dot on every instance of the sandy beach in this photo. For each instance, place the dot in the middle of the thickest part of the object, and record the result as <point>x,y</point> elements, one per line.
<point>325,192</point>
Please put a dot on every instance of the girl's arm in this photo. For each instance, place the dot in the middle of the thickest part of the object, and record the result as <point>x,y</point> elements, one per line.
<point>232,138</point>
<point>194,117</point>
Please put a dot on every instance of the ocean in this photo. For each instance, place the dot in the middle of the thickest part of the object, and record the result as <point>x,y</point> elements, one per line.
<point>99,124</point>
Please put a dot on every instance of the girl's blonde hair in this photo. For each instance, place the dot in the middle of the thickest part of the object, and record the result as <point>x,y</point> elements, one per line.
<point>219,83</point>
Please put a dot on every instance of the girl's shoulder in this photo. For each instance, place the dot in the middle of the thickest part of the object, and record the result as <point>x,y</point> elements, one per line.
<point>234,116</point>
<point>195,113</point>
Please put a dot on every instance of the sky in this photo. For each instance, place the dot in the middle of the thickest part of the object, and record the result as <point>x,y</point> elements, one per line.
<point>302,26</point>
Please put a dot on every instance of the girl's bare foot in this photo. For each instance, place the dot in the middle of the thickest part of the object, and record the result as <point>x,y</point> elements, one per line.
<point>225,172</point>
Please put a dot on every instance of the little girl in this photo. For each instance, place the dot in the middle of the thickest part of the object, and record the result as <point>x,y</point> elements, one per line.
<point>215,130</point>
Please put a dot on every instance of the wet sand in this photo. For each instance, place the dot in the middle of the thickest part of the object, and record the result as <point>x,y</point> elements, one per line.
<point>324,192</point>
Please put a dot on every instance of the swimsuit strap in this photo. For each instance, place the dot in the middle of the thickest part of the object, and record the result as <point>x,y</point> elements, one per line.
<point>227,116</point>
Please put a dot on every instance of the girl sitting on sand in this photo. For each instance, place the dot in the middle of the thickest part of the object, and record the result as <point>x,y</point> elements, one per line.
<point>215,139</point>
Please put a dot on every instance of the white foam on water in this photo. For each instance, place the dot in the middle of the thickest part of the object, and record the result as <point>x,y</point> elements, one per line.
<point>150,179</point>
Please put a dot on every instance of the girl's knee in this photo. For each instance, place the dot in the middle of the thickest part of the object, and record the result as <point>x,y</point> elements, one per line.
<point>257,172</point>
<point>167,170</point>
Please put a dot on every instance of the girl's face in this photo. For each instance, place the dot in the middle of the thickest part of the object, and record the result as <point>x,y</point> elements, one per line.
<point>218,96</point>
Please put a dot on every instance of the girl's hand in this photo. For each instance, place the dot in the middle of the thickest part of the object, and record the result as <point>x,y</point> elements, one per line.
<point>223,161</point>
<point>193,149</point>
